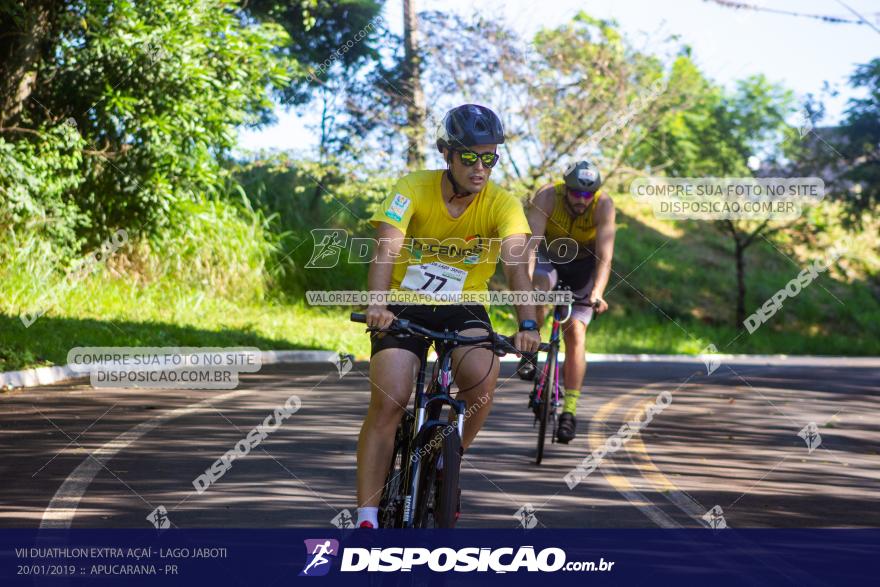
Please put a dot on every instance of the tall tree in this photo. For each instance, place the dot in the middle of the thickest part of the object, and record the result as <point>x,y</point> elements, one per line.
<point>125,108</point>
<point>714,137</point>
<point>25,30</point>
<point>329,38</point>
<point>412,84</point>
<point>859,144</point>
<point>577,90</point>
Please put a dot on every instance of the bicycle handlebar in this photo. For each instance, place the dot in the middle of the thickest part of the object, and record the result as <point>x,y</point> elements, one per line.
<point>594,305</point>
<point>404,326</point>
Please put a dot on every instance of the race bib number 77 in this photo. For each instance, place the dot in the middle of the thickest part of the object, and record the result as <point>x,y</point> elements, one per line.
<point>434,278</point>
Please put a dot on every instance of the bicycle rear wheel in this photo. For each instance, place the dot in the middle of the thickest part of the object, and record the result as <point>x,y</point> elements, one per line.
<point>437,501</point>
<point>544,407</point>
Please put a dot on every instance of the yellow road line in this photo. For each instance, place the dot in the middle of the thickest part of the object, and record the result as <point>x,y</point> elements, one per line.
<point>620,483</point>
<point>649,471</point>
<point>644,464</point>
<point>596,439</point>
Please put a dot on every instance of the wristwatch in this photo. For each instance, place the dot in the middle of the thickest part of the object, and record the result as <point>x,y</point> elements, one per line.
<point>528,325</point>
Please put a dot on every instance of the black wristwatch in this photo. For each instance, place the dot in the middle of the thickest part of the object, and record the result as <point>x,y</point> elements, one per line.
<point>528,325</point>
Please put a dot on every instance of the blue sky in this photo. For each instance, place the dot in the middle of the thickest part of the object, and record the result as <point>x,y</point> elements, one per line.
<point>799,53</point>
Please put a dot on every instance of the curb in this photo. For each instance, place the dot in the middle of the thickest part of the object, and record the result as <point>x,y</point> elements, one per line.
<point>52,375</point>
<point>778,360</point>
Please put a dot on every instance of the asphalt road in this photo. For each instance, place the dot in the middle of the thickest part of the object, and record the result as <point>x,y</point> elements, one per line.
<point>728,442</point>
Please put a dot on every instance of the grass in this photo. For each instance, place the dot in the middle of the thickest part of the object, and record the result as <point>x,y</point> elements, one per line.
<point>672,291</point>
<point>103,311</point>
<point>203,283</point>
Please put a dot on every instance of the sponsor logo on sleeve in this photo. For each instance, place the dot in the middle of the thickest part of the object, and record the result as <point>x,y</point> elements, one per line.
<point>398,207</point>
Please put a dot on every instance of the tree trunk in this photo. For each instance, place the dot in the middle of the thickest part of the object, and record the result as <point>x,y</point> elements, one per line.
<point>325,123</point>
<point>22,36</point>
<point>740,284</point>
<point>412,86</point>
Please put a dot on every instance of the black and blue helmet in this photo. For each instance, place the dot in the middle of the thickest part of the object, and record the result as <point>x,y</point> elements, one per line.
<point>468,125</point>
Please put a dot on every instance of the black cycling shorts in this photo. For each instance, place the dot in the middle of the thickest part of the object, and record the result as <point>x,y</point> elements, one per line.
<point>579,276</point>
<point>450,317</point>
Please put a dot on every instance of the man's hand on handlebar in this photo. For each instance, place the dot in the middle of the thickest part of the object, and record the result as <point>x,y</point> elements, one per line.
<point>379,317</point>
<point>599,305</point>
<point>527,341</point>
<point>522,342</point>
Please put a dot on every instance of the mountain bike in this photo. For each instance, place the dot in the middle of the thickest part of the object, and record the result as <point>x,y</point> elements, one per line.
<point>544,399</point>
<point>422,485</point>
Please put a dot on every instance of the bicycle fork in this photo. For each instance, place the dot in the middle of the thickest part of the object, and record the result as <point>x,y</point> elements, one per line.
<point>554,337</point>
<point>428,410</point>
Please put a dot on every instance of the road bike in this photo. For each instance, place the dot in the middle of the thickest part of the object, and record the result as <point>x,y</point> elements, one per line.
<point>545,398</point>
<point>422,485</point>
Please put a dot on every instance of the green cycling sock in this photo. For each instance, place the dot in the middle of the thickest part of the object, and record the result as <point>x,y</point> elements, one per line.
<point>570,402</point>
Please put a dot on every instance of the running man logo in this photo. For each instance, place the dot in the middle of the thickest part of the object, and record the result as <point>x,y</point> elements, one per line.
<point>343,362</point>
<point>317,551</point>
<point>327,245</point>
<point>343,520</point>
<point>526,516</point>
<point>804,123</point>
<point>159,518</point>
<point>709,359</point>
<point>715,518</point>
<point>810,434</point>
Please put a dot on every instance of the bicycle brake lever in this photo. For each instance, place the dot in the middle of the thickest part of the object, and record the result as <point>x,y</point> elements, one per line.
<point>388,331</point>
<point>502,346</point>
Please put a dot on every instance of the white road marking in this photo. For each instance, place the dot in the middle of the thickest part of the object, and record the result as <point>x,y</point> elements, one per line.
<point>62,508</point>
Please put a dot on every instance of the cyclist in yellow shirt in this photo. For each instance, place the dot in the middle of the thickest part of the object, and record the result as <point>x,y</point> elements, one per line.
<point>455,223</point>
<point>573,210</point>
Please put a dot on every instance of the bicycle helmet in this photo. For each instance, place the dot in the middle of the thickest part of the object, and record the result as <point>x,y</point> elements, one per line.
<point>583,176</point>
<point>468,125</point>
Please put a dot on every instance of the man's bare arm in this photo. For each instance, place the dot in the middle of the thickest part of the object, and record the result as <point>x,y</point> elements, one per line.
<point>515,257</point>
<point>539,211</point>
<point>606,227</point>
<point>379,276</point>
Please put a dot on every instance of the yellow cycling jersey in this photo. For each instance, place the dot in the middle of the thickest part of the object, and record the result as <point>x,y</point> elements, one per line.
<point>561,223</point>
<point>442,253</point>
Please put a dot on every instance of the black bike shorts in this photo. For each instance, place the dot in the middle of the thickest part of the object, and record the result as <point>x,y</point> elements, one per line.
<point>579,276</point>
<point>450,317</point>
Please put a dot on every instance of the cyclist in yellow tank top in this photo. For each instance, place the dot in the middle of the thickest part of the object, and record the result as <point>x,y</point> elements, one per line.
<point>457,224</point>
<point>580,227</point>
<point>562,212</point>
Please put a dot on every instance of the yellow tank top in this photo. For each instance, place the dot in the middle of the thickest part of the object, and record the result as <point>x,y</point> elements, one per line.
<point>463,251</point>
<point>561,224</point>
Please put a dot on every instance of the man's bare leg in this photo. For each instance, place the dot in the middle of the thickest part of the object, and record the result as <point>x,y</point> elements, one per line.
<point>390,390</point>
<point>574,335</point>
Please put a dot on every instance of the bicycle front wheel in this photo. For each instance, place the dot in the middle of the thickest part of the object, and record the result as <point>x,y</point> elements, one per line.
<point>438,494</point>
<point>549,381</point>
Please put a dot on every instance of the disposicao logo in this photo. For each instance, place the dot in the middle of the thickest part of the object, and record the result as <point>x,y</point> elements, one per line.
<point>318,551</point>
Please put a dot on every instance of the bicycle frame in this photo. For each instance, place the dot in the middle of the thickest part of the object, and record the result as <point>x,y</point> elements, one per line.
<point>554,345</point>
<point>428,407</point>
<point>413,434</point>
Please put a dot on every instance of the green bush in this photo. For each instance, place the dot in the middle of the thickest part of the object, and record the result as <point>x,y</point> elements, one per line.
<point>36,177</point>
<point>213,245</point>
<point>298,196</point>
